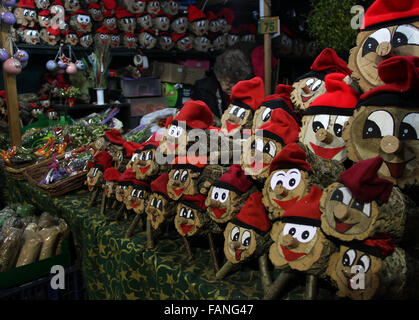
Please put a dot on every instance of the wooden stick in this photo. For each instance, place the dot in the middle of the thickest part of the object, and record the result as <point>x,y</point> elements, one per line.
<point>264,272</point>
<point>267,44</point>
<point>103,204</point>
<point>275,288</point>
<point>150,240</point>
<point>225,270</point>
<point>311,287</point>
<point>132,226</point>
<point>114,204</point>
<point>120,212</point>
<point>93,198</point>
<point>188,248</point>
<point>213,252</point>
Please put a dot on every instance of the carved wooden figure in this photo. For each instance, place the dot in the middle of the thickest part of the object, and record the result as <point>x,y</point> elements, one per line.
<point>30,35</point>
<point>202,44</point>
<point>386,122</point>
<point>102,36</point>
<point>198,22</point>
<point>147,39</point>
<point>170,7</point>
<point>161,21</point>
<point>165,41</point>
<point>144,21</point>
<point>111,139</point>
<point>95,11</point>
<point>25,13</point>
<point>70,37</point>
<point>145,164</point>
<point>44,18</point>
<point>134,6</point>
<point>324,120</point>
<point>109,21</point>
<point>50,36</point>
<point>121,192</point>
<point>311,85</point>
<point>125,20</point>
<point>153,7</point>
<point>94,177</point>
<point>71,5</point>
<point>111,177</point>
<point>391,28</point>
<point>225,19</point>
<point>179,24</point>
<point>81,22</point>
<point>183,41</point>
<point>42,4</point>
<point>86,40</point>
<point>137,196</point>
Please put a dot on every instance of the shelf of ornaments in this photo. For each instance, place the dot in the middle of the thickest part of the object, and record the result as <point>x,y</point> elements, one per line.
<point>154,53</point>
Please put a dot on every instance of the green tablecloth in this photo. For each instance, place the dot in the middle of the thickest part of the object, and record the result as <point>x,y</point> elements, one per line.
<point>118,268</point>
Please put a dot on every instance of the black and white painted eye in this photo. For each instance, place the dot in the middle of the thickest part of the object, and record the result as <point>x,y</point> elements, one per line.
<point>134,193</point>
<point>220,194</point>
<point>364,262</point>
<point>342,195</point>
<point>379,124</point>
<point>257,144</point>
<point>291,229</point>
<point>234,110</point>
<point>143,156</point>
<point>320,121</point>
<point>184,176</point>
<point>159,204</point>
<point>95,171</point>
<point>241,113</point>
<point>409,127</point>
<point>153,203</point>
<point>190,214</point>
<point>183,212</point>
<point>338,126</point>
<point>316,85</point>
<point>176,175</point>
<point>246,236</point>
<point>294,179</point>
<point>379,36</point>
<point>175,131</point>
<point>131,20</point>
<point>405,35</point>
<point>141,194</point>
<point>235,233</point>
<point>270,148</point>
<point>201,24</point>
<point>95,11</point>
<point>365,208</point>
<point>102,36</point>
<point>305,233</point>
<point>204,40</point>
<point>348,258</point>
<point>134,157</point>
<point>150,155</point>
<point>32,14</point>
<point>215,193</point>
<point>266,114</point>
<point>278,179</point>
<point>26,13</point>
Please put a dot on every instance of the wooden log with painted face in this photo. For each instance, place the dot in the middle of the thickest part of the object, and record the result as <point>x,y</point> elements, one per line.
<point>373,269</point>
<point>112,139</point>
<point>311,85</point>
<point>245,97</point>
<point>179,24</point>
<point>125,20</point>
<point>136,197</point>
<point>71,5</point>
<point>198,21</point>
<point>180,133</point>
<point>25,13</point>
<point>280,99</point>
<point>247,234</point>
<point>170,7</point>
<point>134,6</point>
<point>101,162</point>
<point>288,180</point>
<point>267,142</point>
<point>391,28</point>
<point>324,119</point>
<point>228,194</point>
<point>81,22</point>
<point>121,189</point>
<point>145,165</point>
<point>386,123</point>
<point>299,243</point>
<point>111,177</point>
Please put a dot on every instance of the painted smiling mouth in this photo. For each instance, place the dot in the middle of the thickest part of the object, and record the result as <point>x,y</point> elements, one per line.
<point>178,191</point>
<point>326,153</point>
<point>257,165</point>
<point>397,169</point>
<point>144,169</point>
<point>186,227</point>
<point>231,126</point>
<point>285,204</point>
<point>305,99</point>
<point>171,146</point>
<point>291,255</point>
<point>218,212</point>
<point>342,227</point>
<point>238,254</point>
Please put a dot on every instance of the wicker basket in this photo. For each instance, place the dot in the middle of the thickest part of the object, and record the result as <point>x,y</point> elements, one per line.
<point>35,174</point>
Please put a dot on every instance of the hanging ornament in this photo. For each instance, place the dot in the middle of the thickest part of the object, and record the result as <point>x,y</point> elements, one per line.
<point>4,55</point>
<point>80,65</point>
<point>8,18</point>
<point>51,65</point>
<point>10,3</point>
<point>21,55</point>
<point>71,68</point>
<point>12,66</point>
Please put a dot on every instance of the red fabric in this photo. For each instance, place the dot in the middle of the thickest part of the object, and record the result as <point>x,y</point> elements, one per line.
<point>80,11</point>
<point>69,31</point>
<point>383,242</point>
<point>109,4</point>
<point>258,56</point>
<point>93,6</point>
<point>196,114</point>
<point>54,32</point>
<point>127,175</point>
<point>57,3</point>
<point>3,94</point>
<point>199,162</point>
<point>34,105</point>
<point>250,92</point>
<point>111,174</point>
<point>103,30</point>
<point>154,140</point>
<point>211,16</point>
<point>247,29</point>
<point>30,4</point>
<point>307,207</point>
<point>197,199</point>
<point>177,36</point>
<point>328,60</point>
<point>160,184</point>
<point>236,177</point>
<point>123,13</point>
<point>364,183</point>
<point>168,122</point>
<point>194,14</point>
<point>388,10</point>
<point>400,74</point>
<point>283,125</point>
<point>104,159</point>
<point>108,14</point>
<point>149,31</point>
<point>114,136</point>
<point>227,14</point>
<point>253,213</point>
<point>283,92</point>
<point>291,155</point>
<point>130,147</point>
<point>44,13</point>
<point>338,94</point>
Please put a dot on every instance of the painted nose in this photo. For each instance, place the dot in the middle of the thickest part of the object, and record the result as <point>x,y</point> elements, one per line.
<point>390,144</point>
<point>341,212</point>
<point>324,136</point>
<point>289,242</point>
<point>306,89</point>
<point>281,191</point>
<point>385,49</point>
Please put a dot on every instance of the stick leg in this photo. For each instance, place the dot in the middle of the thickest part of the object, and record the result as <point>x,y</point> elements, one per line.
<point>311,287</point>
<point>120,212</point>
<point>93,198</point>
<point>103,204</point>
<point>213,252</point>
<point>264,272</point>
<point>132,226</point>
<point>150,240</point>
<point>225,270</point>
<point>278,285</point>
<point>188,248</point>
<point>114,204</point>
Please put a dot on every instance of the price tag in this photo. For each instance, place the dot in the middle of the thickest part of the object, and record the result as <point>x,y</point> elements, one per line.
<point>269,25</point>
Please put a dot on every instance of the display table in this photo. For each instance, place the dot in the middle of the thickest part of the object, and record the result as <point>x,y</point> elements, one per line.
<point>115,267</point>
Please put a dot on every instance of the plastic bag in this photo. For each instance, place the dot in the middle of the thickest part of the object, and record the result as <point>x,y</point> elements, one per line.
<point>65,232</point>
<point>10,248</point>
<point>155,117</point>
<point>14,222</point>
<point>32,243</point>
<point>50,237</point>
<point>46,220</point>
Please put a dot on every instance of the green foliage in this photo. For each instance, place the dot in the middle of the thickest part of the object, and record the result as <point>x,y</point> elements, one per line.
<point>329,24</point>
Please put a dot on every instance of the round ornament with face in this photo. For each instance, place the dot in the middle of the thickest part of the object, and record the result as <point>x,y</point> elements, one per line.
<point>95,12</point>
<point>81,22</point>
<point>170,7</point>
<point>44,19</point>
<point>179,24</point>
<point>239,243</point>
<point>147,39</point>
<point>377,43</point>
<point>86,40</point>
<point>137,194</point>
<point>153,7</point>
<point>201,44</point>
<point>42,4</point>
<point>144,21</point>
<point>165,42</point>
<point>31,36</point>
<point>71,5</point>
<point>161,21</point>
<point>26,15</point>
<point>71,38</point>
<point>134,6</point>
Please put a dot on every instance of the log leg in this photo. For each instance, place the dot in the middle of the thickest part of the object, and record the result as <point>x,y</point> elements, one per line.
<point>275,288</point>
<point>225,270</point>
<point>150,240</point>
<point>115,203</point>
<point>103,204</point>
<point>93,197</point>
<point>264,272</point>
<point>188,248</point>
<point>120,212</point>
<point>213,252</point>
<point>311,287</point>
<point>132,226</point>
